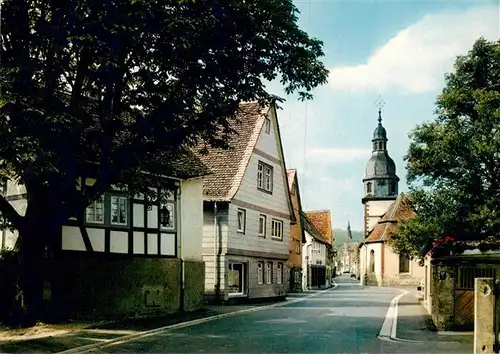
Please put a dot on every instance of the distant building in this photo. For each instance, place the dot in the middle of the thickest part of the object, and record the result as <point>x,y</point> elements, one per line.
<point>350,254</point>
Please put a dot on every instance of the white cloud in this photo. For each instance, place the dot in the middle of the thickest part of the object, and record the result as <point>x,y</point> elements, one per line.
<point>416,59</point>
<point>338,155</point>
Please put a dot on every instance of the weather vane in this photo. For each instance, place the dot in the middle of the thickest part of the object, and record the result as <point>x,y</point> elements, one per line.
<point>380,103</point>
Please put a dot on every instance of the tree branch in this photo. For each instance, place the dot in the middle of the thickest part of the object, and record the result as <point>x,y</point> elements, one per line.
<point>8,212</point>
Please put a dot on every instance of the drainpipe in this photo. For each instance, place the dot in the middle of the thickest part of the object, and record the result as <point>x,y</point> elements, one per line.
<point>181,270</point>
<point>216,257</point>
<point>308,274</point>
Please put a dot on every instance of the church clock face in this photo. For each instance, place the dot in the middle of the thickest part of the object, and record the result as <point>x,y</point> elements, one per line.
<point>381,182</point>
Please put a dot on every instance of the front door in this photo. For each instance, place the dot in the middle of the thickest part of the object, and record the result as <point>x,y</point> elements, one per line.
<point>236,279</point>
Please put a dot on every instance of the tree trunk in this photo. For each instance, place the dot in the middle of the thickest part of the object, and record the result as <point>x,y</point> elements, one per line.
<point>31,273</point>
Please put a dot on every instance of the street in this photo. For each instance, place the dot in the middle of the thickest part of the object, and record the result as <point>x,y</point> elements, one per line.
<point>346,319</point>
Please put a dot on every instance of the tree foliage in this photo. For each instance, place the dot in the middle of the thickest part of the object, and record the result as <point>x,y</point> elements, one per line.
<point>453,162</point>
<point>127,85</point>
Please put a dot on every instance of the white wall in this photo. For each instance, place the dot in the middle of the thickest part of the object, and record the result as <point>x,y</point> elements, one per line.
<point>375,209</point>
<point>211,242</point>
<point>191,220</point>
<point>365,260</point>
<point>310,256</point>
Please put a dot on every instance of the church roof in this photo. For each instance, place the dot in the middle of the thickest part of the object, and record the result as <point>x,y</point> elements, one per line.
<point>379,132</point>
<point>380,165</point>
<point>384,229</point>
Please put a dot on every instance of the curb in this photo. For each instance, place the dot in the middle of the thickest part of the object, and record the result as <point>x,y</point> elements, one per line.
<point>388,332</point>
<point>126,338</point>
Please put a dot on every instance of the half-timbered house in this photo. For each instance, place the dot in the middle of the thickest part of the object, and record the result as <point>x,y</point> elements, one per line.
<point>128,255</point>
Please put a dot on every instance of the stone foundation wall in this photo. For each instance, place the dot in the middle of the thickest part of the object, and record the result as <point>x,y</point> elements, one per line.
<point>110,286</point>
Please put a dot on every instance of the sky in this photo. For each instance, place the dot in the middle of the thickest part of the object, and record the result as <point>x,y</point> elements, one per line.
<point>396,50</point>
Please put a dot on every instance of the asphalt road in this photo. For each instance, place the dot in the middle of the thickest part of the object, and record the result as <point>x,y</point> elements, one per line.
<point>347,319</point>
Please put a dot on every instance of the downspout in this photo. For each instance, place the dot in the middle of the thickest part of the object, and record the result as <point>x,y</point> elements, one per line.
<point>181,270</point>
<point>216,257</point>
<point>382,267</point>
<point>308,269</point>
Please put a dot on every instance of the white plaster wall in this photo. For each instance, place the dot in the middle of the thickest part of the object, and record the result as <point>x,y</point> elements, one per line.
<point>391,267</point>
<point>210,243</point>
<point>310,257</point>
<point>15,189</point>
<point>365,259</point>
<point>191,218</point>
<point>375,209</point>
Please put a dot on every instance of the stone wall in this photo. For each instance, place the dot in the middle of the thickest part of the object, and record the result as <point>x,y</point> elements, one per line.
<point>109,286</point>
<point>443,300</point>
<point>194,285</point>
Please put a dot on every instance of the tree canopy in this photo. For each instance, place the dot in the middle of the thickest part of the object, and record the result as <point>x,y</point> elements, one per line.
<point>124,82</point>
<point>453,162</point>
<point>127,86</point>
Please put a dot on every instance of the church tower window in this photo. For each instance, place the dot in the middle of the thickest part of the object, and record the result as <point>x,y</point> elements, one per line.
<point>369,187</point>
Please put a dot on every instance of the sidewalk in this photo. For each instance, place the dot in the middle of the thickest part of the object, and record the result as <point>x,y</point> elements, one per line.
<point>415,324</point>
<point>64,337</point>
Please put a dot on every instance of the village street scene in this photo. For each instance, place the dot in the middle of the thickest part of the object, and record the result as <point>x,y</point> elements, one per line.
<point>268,176</point>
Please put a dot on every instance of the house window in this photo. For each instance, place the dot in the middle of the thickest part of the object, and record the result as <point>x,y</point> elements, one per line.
<point>260,272</point>
<point>236,281</point>
<point>167,216</point>
<point>279,273</point>
<point>297,247</point>
<point>95,211</point>
<point>262,225</point>
<point>316,247</point>
<point>241,220</point>
<point>267,126</point>
<point>265,177</point>
<point>269,272</point>
<point>369,187</point>
<point>277,229</point>
<point>404,263</point>
<point>118,210</point>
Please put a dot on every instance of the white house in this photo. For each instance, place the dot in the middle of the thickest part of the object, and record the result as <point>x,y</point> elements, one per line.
<point>247,210</point>
<point>130,249</point>
<point>314,257</point>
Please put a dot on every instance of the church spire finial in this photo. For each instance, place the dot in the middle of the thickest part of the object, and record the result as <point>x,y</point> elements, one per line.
<point>380,104</point>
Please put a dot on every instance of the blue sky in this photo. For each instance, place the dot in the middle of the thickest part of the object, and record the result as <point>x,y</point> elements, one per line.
<point>398,50</point>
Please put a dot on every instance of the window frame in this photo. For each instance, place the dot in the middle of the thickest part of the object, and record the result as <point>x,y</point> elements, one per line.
<point>264,224</point>
<point>298,247</point>
<point>273,229</point>
<point>260,272</point>
<point>265,177</point>
<point>107,206</point>
<point>404,261</point>
<point>126,211</point>
<point>239,212</point>
<point>279,273</point>
<point>267,125</point>
<point>269,273</point>
<point>102,198</point>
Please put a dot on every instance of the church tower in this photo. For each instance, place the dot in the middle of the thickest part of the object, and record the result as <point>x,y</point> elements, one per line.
<point>380,182</point>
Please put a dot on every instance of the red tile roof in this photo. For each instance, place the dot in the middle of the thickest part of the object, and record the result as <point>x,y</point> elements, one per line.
<point>399,210</point>
<point>228,166</point>
<point>322,221</point>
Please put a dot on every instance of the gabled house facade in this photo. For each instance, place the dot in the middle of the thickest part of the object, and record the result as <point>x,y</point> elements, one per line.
<point>297,234</point>
<point>315,257</point>
<point>247,211</point>
<point>128,256</point>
